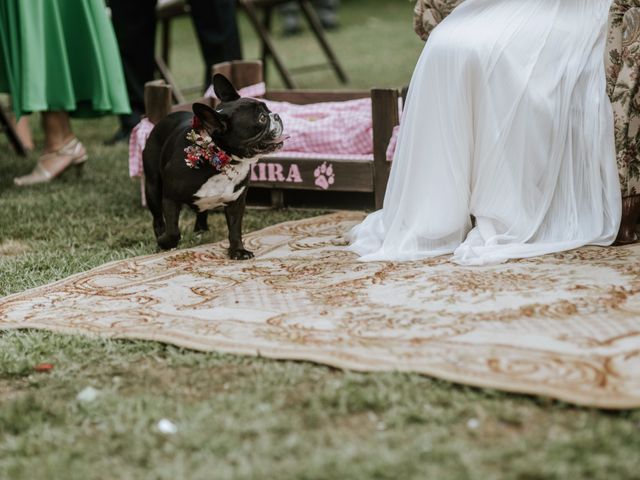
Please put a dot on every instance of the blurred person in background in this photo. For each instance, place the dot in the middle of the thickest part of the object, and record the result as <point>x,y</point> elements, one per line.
<point>135,26</point>
<point>60,58</point>
<point>327,11</point>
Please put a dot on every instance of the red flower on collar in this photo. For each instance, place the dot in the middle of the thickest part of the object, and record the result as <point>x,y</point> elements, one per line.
<point>203,150</point>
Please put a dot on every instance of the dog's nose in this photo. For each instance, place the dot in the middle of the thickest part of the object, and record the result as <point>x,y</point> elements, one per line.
<point>276,117</point>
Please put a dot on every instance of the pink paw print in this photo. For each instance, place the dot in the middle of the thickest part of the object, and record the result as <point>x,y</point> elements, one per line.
<point>324,176</point>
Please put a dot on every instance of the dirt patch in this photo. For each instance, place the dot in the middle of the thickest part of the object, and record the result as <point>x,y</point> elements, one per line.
<point>12,389</point>
<point>195,384</point>
<point>13,248</point>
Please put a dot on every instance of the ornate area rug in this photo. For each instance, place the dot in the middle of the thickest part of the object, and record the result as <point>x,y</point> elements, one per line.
<point>565,325</point>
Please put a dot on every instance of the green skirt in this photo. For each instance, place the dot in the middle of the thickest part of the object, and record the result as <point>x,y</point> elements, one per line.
<point>60,55</point>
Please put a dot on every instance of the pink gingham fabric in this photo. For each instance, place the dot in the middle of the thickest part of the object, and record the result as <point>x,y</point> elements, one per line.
<point>329,128</point>
<point>393,143</point>
<point>137,141</point>
<point>252,91</point>
<point>318,156</point>
<point>333,130</point>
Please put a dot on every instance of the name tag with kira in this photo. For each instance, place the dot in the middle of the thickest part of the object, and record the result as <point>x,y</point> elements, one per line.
<point>309,175</point>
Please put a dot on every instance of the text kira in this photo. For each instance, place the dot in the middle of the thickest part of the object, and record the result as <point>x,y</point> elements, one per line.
<point>274,172</point>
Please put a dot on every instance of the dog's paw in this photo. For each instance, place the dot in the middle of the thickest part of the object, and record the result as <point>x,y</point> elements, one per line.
<point>324,176</point>
<point>240,254</point>
<point>167,242</point>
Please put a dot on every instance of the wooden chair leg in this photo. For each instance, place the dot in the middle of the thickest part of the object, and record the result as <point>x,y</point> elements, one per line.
<point>247,73</point>
<point>266,23</point>
<point>630,217</point>
<point>166,40</point>
<point>241,73</point>
<point>157,100</point>
<point>316,27</point>
<point>384,104</point>
<point>168,77</point>
<point>277,199</point>
<point>9,128</point>
<point>224,68</point>
<point>157,103</point>
<point>267,43</point>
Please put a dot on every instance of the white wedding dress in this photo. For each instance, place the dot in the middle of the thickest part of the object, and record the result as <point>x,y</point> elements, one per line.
<point>507,120</point>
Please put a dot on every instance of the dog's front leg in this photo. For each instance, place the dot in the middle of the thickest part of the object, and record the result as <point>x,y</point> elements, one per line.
<point>171,236</point>
<point>201,222</point>
<point>234,213</point>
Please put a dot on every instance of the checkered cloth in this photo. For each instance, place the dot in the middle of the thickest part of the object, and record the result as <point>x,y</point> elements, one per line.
<point>336,130</point>
<point>137,141</point>
<point>318,156</point>
<point>328,128</point>
<point>393,143</point>
<point>257,90</point>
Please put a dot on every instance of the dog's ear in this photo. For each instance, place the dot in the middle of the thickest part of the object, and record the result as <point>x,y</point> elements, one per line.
<point>212,120</point>
<point>224,89</point>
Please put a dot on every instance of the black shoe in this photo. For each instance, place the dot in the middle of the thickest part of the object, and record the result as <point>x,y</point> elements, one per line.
<point>328,18</point>
<point>291,25</point>
<point>121,136</point>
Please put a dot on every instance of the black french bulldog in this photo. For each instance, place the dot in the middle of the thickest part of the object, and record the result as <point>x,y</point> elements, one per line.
<point>204,161</point>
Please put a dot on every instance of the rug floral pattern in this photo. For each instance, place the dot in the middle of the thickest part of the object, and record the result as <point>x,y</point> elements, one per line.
<point>565,325</point>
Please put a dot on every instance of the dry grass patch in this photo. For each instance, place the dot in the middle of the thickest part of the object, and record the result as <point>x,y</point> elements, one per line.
<point>13,248</point>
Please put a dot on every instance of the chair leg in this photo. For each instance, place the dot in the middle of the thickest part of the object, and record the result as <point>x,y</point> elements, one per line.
<point>277,199</point>
<point>157,100</point>
<point>168,77</point>
<point>316,27</point>
<point>267,43</point>
<point>8,126</point>
<point>166,40</point>
<point>630,216</point>
<point>385,115</point>
<point>266,23</point>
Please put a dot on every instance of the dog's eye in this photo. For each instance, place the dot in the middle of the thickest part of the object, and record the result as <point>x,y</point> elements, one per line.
<point>262,118</point>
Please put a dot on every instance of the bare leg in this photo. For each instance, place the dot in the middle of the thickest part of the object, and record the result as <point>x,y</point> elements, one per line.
<point>61,150</point>
<point>24,132</point>
<point>57,130</point>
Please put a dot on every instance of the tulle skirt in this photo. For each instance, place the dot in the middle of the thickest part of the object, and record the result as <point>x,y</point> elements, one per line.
<point>506,147</point>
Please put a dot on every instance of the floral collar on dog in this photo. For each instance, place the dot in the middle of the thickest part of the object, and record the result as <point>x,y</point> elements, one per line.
<point>202,150</point>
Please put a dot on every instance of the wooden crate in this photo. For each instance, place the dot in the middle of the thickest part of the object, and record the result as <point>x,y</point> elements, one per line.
<point>281,173</point>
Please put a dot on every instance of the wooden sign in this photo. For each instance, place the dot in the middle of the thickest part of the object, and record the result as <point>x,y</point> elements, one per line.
<point>313,174</point>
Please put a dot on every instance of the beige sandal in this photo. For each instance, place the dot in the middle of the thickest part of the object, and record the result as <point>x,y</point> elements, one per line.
<point>50,165</point>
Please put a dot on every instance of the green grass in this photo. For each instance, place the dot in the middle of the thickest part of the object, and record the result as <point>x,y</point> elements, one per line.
<point>245,417</point>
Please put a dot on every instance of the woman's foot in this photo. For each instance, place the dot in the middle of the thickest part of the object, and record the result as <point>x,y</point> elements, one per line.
<point>52,164</point>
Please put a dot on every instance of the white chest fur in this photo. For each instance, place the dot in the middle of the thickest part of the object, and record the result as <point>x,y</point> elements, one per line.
<point>221,189</point>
